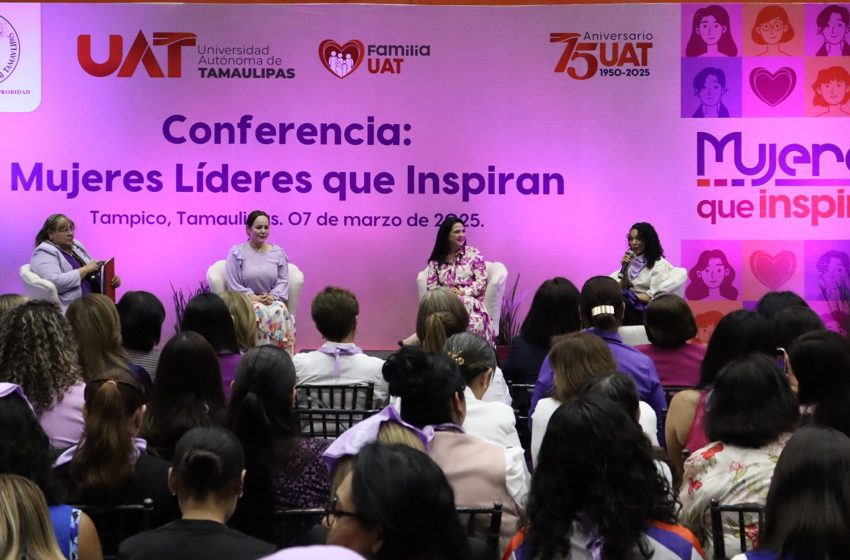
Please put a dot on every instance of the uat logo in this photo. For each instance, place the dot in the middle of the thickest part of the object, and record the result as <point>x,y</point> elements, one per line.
<point>341,60</point>
<point>140,52</point>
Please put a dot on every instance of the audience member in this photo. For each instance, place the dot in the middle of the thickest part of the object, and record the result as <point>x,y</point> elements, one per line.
<point>207,475</point>
<point>596,492</point>
<point>791,323</point>
<point>285,471</point>
<point>25,530</point>
<point>207,315</point>
<point>110,465</point>
<point>431,388</point>
<point>772,303</point>
<point>737,334</point>
<point>9,302</point>
<point>602,312</point>
<point>748,422</point>
<point>38,351</point>
<point>396,504</point>
<point>25,451</point>
<point>491,421</point>
<point>187,393</point>
<point>141,315</point>
<point>339,361</point>
<point>241,310</point>
<point>554,311</point>
<point>97,329</point>
<point>807,513</point>
<point>819,363</point>
<point>669,326</point>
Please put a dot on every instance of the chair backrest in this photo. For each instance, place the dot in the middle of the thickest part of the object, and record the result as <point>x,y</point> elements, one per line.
<point>36,287</point>
<point>357,396</point>
<point>670,391</point>
<point>744,514</point>
<point>218,283</point>
<point>329,423</point>
<point>116,523</point>
<point>468,515</point>
<point>521,401</point>
<point>296,525</point>
<point>633,334</point>
<point>497,277</point>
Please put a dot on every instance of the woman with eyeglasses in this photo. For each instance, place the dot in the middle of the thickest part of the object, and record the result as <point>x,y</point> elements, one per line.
<point>63,260</point>
<point>396,504</point>
<point>207,474</point>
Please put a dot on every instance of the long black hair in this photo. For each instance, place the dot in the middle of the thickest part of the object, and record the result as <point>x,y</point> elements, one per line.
<point>554,310</point>
<point>652,248</point>
<point>207,315</point>
<point>596,461</point>
<point>262,416</point>
<point>441,244</point>
<point>737,334</point>
<point>820,361</point>
<point>398,488</point>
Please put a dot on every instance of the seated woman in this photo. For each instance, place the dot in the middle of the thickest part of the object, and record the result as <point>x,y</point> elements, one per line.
<point>819,364</point>
<point>285,471</point>
<point>261,270</point>
<point>670,324</point>
<point>38,352</point>
<point>24,521</point>
<point>25,451</point>
<point>554,311</point>
<point>806,515</point>
<point>207,315</point>
<point>492,421</point>
<point>749,422</point>
<point>97,329</point>
<point>602,311</point>
<point>62,260</point>
<point>187,393</point>
<point>737,334</point>
<point>596,492</point>
<point>455,265</point>
<point>431,388</point>
<point>645,273</point>
<point>207,474</point>
<point>396,504</point>
<point>110,466</point>
<point>141,315</point>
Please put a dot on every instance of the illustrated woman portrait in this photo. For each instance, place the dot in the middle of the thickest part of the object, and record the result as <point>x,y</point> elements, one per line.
<point>832,24</point>
<point>711,277</point>
<point>772,28</point>
<point>832,90</point>
<point>710,87</point>
<point>833,278</point>
<point>706,323</point>
<point>711,33</point>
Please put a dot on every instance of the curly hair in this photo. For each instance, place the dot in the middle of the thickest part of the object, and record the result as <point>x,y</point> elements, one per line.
<point>38,351</point>
<point>652,245</point>
<point>596,461</point>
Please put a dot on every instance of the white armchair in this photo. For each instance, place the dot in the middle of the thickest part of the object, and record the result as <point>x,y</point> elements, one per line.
<point>218,283</point>
<point>36,287</point>
<point>497,276</point>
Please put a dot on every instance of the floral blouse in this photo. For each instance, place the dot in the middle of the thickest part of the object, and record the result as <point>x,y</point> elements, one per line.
<point>731,475</point>
<point>468,274</point>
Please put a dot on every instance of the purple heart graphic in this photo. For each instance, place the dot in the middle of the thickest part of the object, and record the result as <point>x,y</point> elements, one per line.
<point>773,87</point>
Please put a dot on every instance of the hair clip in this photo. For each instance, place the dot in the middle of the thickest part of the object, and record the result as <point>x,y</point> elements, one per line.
<point>602,310</point>
<point>458,359</point>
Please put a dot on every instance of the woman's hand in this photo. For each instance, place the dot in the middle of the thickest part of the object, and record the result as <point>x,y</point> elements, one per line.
<point>266,299</point>
<point>627,258</point>
<point>89,268</point>
<point>116,281</point>
<point>457,291</point>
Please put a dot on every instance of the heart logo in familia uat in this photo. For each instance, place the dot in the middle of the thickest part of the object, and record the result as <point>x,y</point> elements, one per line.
<point>341,60</point>
<point>773,271</point>
<point>773,87</point>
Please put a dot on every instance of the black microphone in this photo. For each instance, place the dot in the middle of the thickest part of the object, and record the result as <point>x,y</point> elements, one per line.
<point>626,266</point>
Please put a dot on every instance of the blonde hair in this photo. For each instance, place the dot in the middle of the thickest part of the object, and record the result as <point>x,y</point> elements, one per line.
<point>244,318</point>
<point>26,532</point>
<point>9,302</point>
<point>441,314</point>
<point>97,327</point>
<point>575,358</point>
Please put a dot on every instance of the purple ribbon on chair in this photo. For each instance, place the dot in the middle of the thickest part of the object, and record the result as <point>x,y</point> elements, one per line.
<point>7,389</point>
<point>337,351</point>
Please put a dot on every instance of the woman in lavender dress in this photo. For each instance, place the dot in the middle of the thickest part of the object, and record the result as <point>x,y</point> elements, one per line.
<point>260,270</point>
<point>455,265</point>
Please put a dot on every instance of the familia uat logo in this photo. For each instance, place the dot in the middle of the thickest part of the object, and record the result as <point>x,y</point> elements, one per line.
<point>603,54</point>
<point>808,179</point>
<point>140,52</point>
<point>342,60</point>
<point>10,49</point>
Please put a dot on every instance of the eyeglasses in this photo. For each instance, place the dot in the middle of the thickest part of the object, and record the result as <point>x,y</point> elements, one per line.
<point>66,229</point>
<point>332,512</point>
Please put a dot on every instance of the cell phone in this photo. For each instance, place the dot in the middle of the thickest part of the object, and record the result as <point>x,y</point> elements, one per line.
<point>780,358</point>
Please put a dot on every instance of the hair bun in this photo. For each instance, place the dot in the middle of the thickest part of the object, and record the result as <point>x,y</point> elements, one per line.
<point>203,466</point>
<point>403,371</point>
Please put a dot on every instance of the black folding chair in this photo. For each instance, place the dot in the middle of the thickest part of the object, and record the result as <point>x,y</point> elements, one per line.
<point>116,523</point>
<point>671,390</point>
<point>336,396</point>
<point>297,524</point>
<point>329,423</point>
<point>744,513</point>
<point>493,529</point>
<point>521,401</point>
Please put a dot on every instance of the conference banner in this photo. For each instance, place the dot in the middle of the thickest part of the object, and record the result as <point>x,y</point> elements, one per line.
<point>549,130</point>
